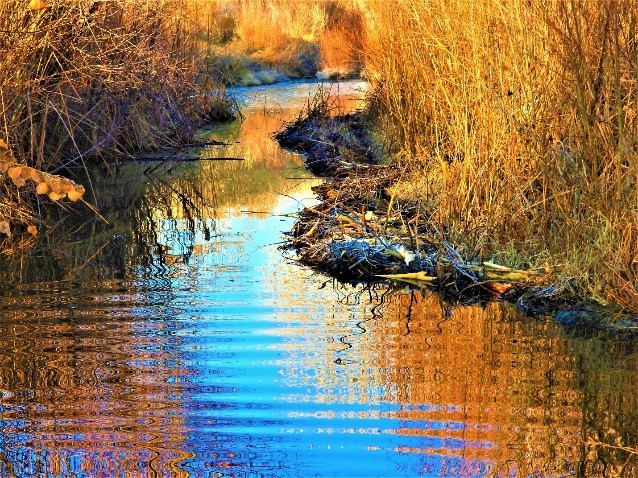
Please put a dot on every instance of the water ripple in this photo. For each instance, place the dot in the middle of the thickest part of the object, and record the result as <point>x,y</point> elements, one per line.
<point>211,355</point>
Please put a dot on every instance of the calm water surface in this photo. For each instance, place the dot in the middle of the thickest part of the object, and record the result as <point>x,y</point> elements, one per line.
<point>177,340</point>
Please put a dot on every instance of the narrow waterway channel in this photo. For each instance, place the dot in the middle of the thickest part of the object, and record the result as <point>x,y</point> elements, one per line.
<point>178,341</point>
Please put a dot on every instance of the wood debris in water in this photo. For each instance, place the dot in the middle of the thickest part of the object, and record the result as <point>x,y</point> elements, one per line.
<point>359,233</point>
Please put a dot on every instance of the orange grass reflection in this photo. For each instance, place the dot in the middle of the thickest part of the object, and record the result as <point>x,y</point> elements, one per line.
<point>473,391</point>
<point>89,392</point>
<point>264,172</point>
<point>490,382</point>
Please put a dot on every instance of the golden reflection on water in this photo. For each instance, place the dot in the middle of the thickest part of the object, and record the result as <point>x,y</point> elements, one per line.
<point>215,188</point>
<point>262,173</point>
<point>515,383</point>
<point>67,388</point>
<point>508,380</point>
<point>190,347</point>
<point>497,393</point>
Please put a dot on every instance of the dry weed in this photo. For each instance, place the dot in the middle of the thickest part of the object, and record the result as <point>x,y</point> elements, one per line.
<point>521,117</point>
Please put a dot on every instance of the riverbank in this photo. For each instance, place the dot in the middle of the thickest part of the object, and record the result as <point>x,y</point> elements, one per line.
<point>515,124</point>
<point>99,81</point>
<point>111,80</point>
<point>360,232</point>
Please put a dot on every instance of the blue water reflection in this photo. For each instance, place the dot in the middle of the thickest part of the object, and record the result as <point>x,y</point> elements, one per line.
<point>265,394</point>
<point>221,357</point>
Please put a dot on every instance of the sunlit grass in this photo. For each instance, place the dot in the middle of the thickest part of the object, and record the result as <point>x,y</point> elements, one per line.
<point>518,118</point>
<point>295,39</point>
<point>84,80</point>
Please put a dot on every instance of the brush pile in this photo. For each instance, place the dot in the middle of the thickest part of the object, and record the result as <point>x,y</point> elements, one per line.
<point>335,144</point>
<point>360,233</point>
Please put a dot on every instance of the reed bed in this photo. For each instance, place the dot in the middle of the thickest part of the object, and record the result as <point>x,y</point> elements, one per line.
<point>95,79</point>
<point>516,123</point>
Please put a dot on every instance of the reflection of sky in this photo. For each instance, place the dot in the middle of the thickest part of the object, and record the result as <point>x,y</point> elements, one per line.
<point>230,360</point>
<point>294,93</point>
<point>265,395</point>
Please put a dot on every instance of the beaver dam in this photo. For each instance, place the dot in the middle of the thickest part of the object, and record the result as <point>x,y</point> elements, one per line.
<point>360,233</point>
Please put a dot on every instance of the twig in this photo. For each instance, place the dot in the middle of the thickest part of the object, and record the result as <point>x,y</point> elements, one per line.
<point>633,451</point>
<point>81,155</point>
<point>97,213</point>
<point>91,258</point>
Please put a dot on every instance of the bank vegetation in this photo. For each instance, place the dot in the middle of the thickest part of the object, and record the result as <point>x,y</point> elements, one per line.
<point>510,127</point>
<point>105,80</point>
<point>254,42</point>
<point>86,80</point>
<point>515,126</point>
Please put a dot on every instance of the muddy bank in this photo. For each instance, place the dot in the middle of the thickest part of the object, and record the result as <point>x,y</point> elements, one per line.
<point>359,233</point>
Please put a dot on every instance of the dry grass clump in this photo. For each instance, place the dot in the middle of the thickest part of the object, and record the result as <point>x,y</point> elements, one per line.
<point>520,119</point>
<point>341,40</point>
<point>280,34</point>
<point>87,79</point>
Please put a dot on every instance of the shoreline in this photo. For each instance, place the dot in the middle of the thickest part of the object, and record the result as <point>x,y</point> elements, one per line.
<point>358,233</point>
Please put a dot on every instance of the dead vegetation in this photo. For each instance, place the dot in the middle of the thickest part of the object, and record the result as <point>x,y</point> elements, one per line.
<point>516,123</point>
<point>362,232</point>
<point>253,42</point>
<point>86,80</point>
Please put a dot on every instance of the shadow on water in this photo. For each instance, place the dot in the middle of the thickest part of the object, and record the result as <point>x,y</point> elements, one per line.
<point>177,341</point>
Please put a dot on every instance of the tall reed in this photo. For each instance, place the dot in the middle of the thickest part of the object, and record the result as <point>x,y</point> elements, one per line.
<point>86,79</point>
<point>518,120</point>
<point>296,38</point>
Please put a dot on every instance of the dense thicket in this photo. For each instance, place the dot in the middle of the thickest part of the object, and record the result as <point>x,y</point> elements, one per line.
<point>518,121</point>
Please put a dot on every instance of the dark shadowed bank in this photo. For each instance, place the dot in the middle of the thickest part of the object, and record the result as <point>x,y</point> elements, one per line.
<point>360,233</point>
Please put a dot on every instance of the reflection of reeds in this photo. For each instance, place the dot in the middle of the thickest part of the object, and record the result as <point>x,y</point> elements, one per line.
<point>468,386</point>
<point>475,364</point>
<point>137,205</point>
<point>253,183</point>
<point>518,385</point>
<point>519,121</point>
<point>98,395</point>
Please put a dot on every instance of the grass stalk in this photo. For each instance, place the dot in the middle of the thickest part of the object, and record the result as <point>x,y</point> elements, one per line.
<point>517,119</point>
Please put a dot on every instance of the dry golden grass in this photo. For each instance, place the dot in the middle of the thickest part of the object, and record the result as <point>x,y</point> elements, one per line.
<point>297,38</point>
<point>82,79</point>
<point>85,79</point>
<point>519,119</point>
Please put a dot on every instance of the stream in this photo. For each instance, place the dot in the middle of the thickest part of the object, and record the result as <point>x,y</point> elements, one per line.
<point>178,340</point>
